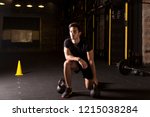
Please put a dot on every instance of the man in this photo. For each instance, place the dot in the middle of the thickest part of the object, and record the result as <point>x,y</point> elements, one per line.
<point>79,56</point>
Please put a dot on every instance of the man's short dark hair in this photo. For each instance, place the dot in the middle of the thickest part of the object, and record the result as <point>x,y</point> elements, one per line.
<point>75,24</point>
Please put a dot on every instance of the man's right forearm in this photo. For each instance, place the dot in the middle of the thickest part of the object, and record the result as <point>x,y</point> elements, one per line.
<point>72,58</point>
<point>69,56</point>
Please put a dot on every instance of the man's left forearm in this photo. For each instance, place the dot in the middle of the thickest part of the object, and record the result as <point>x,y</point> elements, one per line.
<point>93,68</point>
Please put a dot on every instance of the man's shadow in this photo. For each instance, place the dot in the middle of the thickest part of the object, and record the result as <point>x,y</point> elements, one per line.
<point>112,91</point>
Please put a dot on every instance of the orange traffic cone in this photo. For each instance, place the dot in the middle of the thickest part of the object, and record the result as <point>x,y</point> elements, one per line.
<point>19,70</point>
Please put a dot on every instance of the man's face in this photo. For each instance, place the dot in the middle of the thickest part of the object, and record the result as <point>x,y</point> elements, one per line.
<point>74,34</point>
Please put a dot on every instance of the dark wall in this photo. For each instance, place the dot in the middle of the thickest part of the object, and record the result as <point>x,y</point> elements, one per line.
<point>93,15</point>
<point>46,21</point>
<point>30,23</point>
<point>135,31</point>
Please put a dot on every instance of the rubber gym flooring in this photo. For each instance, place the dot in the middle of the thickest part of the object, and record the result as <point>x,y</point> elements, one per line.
<point>41,72</point>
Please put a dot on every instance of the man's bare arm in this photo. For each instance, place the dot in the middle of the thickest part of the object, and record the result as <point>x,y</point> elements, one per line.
<point>69,56</point>
<point>90,56</point>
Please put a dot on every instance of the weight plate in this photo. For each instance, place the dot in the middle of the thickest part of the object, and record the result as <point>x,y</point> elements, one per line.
<point>122,69</point>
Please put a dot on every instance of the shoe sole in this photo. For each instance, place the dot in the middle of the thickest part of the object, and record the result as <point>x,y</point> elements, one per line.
<point>67,95</point>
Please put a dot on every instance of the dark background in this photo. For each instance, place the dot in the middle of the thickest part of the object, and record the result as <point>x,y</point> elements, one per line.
<point>42,58</point>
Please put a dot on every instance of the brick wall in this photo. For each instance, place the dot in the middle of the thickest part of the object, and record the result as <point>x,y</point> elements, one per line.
<point>146,31</point>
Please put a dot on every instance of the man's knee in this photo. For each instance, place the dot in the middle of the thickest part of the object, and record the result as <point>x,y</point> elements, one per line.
<point>73,65</point>
<point>67,63</point>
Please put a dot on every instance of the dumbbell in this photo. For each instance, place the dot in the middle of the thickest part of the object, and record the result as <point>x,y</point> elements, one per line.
<point>61,86</point>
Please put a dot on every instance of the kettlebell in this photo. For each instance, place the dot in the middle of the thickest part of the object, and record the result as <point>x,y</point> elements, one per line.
<point>61,86</point>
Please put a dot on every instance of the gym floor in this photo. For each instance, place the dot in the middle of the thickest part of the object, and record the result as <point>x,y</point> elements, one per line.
<point>41,72</point>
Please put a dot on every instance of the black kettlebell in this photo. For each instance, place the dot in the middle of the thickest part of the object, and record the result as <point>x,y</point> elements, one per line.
<point>95,92</point>
<point>61,86</point>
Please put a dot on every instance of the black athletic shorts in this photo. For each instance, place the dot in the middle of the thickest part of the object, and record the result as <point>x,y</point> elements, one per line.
<point>87,73</point>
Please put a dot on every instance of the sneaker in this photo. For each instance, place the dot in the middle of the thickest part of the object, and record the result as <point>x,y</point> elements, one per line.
<point>97,87</point>
<point>95,92</point>
<point>67,93</point>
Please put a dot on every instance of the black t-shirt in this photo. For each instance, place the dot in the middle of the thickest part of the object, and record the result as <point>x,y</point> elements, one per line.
<point>80,49</point>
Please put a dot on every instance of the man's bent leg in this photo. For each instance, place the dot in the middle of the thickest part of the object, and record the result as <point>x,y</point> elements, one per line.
<point>67,73</point>
<point>69,66</point>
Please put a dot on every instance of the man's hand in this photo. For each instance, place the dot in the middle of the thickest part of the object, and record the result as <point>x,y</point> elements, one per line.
<point>83,64</point>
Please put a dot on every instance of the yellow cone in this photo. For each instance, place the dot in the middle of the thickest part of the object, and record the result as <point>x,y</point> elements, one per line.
<point>19,70</point>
